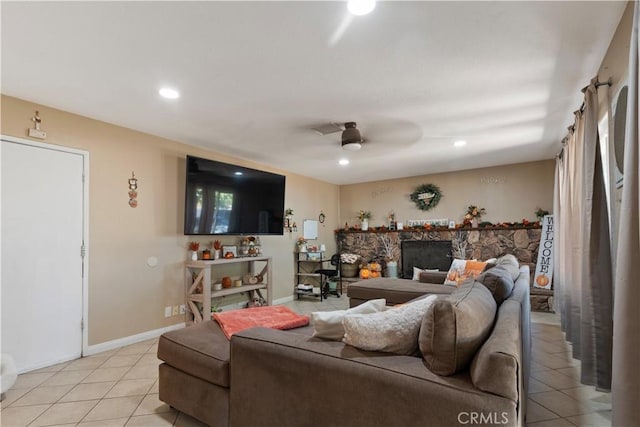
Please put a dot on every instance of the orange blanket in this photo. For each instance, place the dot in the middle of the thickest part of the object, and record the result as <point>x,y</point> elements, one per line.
<point>275,316</point>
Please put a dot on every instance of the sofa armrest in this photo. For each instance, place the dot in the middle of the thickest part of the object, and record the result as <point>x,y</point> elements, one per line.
<point>288,379</point>
<point>436,277</point>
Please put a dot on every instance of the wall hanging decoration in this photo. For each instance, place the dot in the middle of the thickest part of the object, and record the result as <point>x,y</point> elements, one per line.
<point>133,193</point>
<point>426,196</point>
<point>36,132</point>
<point>289,223</point>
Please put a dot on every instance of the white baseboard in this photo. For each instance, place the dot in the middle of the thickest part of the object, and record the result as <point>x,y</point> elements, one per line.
<point>283,300</point>
<point>121,342</point>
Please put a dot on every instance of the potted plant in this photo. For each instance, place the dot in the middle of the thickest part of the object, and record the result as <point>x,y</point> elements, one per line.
<point>302,244</point>
<point>349,265</point>
<point>193,247</point>
<point>217,249</point>
<point>364,217</point>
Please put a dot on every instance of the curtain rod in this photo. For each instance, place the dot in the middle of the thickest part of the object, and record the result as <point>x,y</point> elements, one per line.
<point>572,128</point>
<point>598,84</point>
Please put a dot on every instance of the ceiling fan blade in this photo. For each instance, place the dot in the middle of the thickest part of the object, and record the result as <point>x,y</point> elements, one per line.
<point>327,128</point>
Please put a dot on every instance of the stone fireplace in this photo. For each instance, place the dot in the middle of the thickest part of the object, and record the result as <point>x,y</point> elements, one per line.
<point>465,243</point>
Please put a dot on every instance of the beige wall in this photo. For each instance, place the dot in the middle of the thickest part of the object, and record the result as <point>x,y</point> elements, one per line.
<point>508,193</point>
<point>126,296</point>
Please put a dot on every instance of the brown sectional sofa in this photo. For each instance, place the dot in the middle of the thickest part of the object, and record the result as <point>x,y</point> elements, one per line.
<point>266,377</point>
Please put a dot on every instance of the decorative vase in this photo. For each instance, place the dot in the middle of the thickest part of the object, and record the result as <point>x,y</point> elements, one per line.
<point>364,224</point>
<point>349,270</point>
<point>302,248</point>
<point>194,255</point>
<point>217,253</point>
<point>392,269</point>
<point>474,223</point>
<point>226,282</point>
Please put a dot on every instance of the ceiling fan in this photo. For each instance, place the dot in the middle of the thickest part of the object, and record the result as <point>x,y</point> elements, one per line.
<point>351,138</point>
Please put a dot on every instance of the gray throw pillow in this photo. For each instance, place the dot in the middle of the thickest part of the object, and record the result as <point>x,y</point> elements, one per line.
<point>511,264</point>
<point>453,328</point>
<point>499,282</point>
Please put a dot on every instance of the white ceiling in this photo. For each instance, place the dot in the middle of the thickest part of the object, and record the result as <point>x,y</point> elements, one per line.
<point>255,77</point>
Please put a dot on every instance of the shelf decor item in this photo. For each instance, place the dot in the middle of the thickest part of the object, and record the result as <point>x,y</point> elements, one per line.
<point>217,249</point>
<point>364,217</point>
<point>473,215</point>
<point>349,265</point>
<point>302,244</point>
<point>426,196</point>
<point>193,247</point>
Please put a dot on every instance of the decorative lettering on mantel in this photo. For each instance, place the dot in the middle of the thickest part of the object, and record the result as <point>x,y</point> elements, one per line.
<point>497,179</point>
<point>380,192</point>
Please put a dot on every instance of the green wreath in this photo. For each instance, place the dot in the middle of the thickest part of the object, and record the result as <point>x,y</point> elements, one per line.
<point>426,196</point>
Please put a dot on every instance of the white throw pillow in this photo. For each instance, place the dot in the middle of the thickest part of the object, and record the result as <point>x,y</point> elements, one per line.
<point>328,324</point>
<point>393,331</point>
<point>417,271</point>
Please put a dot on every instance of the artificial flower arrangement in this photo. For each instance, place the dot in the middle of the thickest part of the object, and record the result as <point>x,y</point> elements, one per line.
<point>301,241</point>
<point>194,246</point>
<point>349,258</point>
<point>362,215</point>
<point>474,212</point>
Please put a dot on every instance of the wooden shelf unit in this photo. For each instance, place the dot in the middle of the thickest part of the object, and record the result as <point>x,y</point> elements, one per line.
<point>203,278</point>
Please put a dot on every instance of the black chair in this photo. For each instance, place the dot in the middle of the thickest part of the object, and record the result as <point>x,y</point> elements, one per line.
<point>329,273</point>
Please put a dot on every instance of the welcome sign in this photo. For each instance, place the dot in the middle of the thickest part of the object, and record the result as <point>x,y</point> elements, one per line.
<point>544,266</point>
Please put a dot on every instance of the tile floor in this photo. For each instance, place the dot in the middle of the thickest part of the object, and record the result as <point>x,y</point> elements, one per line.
<point>120,387</point>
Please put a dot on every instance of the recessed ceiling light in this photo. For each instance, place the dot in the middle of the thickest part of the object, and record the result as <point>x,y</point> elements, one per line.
<point>343,162</point>
<point>169,93</point>
<point>238,173</point>
<point>460,143</point>
<point>361,7</point>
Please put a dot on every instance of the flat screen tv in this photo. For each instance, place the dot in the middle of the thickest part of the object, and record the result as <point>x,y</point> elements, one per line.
<point>221,198</point>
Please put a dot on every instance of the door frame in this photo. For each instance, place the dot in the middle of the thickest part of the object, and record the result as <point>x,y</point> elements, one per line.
<point>85,222</point>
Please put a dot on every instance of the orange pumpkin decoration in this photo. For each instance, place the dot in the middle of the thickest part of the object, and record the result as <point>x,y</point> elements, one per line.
<point>374,266</point>
<point>542,280</point>
<point>375,274</point>
<point>365,273</point>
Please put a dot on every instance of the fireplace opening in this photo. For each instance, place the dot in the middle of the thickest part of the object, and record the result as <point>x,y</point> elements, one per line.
<point>425,254</point>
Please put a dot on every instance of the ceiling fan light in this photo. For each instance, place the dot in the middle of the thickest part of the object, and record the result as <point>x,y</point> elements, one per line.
<point>351,146</point>
<point>361,7</point>
<point>351,138</point>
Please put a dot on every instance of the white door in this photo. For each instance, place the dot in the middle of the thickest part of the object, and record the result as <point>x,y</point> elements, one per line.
<point>42,266</point>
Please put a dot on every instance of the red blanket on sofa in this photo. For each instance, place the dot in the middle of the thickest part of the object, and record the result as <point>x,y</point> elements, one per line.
<point>275,316</point>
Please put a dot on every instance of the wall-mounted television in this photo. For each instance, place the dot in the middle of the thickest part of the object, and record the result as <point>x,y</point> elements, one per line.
<point>222,198</point>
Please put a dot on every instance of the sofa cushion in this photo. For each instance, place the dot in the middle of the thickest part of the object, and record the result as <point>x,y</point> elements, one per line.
<point>499,282</point>
<point>435,277</point>
<point>417,271</point>
<point>392,331</point>
<point>455,327</point>
<point>510,263</point>
<point>495,366</point>
<point>328,324</point>
<point>395,291</point>
<point>201,350</point>
<point>462,270</point>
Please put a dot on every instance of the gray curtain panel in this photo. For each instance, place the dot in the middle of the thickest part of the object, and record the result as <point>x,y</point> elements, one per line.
<point>585,283</point>
<point>626,332</point>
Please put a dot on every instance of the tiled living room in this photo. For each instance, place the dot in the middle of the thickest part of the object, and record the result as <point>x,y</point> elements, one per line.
<point>464,173</point>
<point>120,387</point>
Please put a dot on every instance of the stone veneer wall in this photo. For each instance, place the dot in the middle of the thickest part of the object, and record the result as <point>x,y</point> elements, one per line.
<point>467,243</point>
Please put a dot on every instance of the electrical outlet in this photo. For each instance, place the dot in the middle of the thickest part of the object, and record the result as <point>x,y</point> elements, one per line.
<point>183,309</point>
<point>167,311</point>
<point>175,310</point>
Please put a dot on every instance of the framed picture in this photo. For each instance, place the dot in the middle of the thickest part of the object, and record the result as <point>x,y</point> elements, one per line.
<point>227,249</point>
